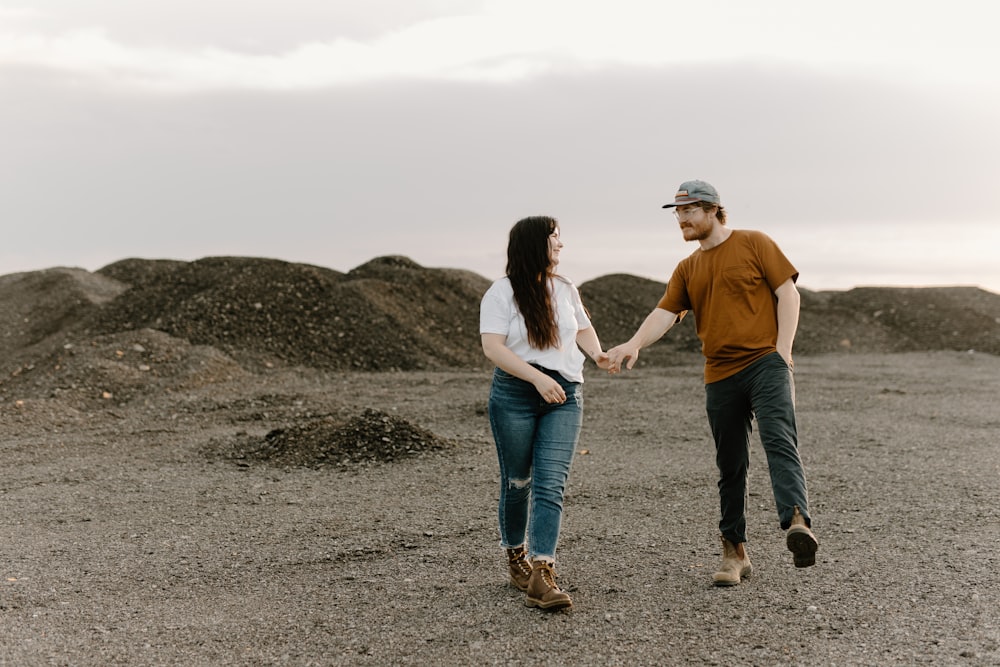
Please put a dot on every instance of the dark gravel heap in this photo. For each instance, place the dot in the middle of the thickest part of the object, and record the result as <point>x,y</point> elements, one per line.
<point>864,319</point>
<point>370,437</point>
<point>112,369</point>
<point>136,328</point>
<point>901,319</point>
<point>39,309</point>
<point>388,314</point>
<point>64,328</point>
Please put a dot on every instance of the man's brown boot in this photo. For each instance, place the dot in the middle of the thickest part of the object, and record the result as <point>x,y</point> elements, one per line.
<point>801,541</point>
<point>735,564</point>
<point>520,568</point>
<point>542,590</point>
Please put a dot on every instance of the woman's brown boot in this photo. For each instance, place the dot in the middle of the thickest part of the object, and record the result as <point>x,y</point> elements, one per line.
<point>520,568</point>
<point>542,590</point>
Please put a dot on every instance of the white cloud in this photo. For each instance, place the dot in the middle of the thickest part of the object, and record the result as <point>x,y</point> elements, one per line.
<point>512,39</point>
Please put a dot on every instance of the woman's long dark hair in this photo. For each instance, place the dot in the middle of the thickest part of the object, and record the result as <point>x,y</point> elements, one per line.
<point>529,270</point>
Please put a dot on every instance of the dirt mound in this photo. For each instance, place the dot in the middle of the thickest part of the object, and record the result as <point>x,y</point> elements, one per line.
<point>197,322</point>
<point>916,319</point>
<point>117,368</point>
<point>370,437</point>
<point>142,271</point>
<point>388,314</point>
<point>864,319</point>
<point>39,305</point>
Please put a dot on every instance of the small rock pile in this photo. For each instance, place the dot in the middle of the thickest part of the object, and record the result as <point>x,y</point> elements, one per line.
<point>371,437</point>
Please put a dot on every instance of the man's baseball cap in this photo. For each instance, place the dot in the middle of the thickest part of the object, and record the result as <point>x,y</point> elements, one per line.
<point>693,191</point>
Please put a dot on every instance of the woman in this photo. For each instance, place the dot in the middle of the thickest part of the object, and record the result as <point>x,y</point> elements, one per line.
<point>533,326</point>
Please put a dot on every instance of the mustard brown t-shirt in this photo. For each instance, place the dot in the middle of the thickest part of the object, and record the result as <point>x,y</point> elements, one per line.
<point>730,290</point>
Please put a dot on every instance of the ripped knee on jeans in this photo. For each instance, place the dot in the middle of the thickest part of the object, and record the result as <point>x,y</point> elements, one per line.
<point>519,483</point>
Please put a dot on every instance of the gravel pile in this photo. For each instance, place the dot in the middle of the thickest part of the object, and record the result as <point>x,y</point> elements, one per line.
<point>371,437</point>
<point>866,319</point>
<point>391,314</point>
<point>139,326</point>
<point>388,314</point>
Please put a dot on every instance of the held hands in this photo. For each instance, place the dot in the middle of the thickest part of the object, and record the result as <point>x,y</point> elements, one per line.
<point>552,392</point>
<point>624,353</point>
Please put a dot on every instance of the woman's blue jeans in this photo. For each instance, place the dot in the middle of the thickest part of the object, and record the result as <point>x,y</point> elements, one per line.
<point>765,390</point>
<point>535,445</point>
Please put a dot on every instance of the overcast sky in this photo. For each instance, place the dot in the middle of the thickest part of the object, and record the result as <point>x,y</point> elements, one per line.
<point>862,136</point>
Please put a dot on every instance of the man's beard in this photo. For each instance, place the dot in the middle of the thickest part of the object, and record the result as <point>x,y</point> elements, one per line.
<point>694,233</point>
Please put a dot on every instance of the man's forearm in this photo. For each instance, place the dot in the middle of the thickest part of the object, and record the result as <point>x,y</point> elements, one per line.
<point>652,329</point>
<point>788,320</point>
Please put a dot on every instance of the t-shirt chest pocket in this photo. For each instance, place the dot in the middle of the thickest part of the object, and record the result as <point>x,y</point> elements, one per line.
<point>737,280</point>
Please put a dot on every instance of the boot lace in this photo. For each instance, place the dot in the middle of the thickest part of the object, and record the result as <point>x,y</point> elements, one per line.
<point>545,572</point>
<point>517,560</point>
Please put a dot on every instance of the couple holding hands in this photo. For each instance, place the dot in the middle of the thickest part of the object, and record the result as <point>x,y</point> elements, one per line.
<point>534,328</point>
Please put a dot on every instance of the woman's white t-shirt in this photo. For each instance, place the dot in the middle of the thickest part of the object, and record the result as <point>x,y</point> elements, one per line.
<point>498,314</point>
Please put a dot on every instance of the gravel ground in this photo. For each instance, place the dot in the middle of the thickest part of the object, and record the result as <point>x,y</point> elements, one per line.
<point>248,462</point>
<point>138,535</point>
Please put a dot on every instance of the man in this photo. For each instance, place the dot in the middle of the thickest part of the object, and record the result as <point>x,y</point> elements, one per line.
<point>741,289</point>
